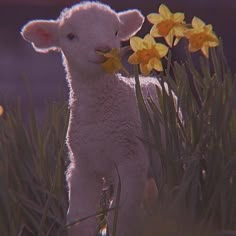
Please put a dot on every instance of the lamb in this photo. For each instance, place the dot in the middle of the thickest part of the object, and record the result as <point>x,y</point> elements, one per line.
<point>105,127</point>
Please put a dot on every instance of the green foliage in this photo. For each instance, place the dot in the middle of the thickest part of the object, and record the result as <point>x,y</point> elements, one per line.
<point>32,165</point>
<point>197,148</point>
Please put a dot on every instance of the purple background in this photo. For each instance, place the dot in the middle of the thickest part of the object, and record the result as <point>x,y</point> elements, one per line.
<point>45,73</point>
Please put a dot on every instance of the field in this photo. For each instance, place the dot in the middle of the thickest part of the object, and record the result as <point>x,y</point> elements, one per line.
<point>197,189</point>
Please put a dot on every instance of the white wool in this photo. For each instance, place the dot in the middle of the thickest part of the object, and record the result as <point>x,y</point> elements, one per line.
<point>104,128</point>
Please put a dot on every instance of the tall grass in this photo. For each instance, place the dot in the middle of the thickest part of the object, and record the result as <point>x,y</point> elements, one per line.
<point>32,165</point>
<point>197,190</point>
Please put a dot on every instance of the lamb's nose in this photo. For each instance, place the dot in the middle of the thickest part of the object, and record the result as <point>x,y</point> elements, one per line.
<point>103,49</point>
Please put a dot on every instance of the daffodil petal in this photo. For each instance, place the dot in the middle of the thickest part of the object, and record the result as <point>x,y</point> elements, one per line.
<point>178,17</point>
<point>133,59</point>
<point>148,41</point>
<point>191,48</point>
<point>209,28</point>
<point>213,43</point>
<point>164,11</point>
<point>154,32</point>
<point>156,64</point>
<point>205,51</point>
<point>214,37</point>
<point>162,49</point>
<point>108,55</point>
<point>188,33</point>
<point>154,18</point>
<point>114,53</point>
<point>144,69</point>
<point>179,31</point>
<point>111,66</point>
<point>136,43</point>
<point>1,110</point>
<point>169,38</point>
<point>197,23</point>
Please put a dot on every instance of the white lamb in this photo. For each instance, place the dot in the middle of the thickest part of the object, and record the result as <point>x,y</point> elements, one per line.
<point>105,127</point>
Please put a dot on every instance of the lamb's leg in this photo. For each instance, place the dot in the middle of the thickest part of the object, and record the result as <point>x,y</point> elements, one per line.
<point>84,195</point>
<point>133,178</point>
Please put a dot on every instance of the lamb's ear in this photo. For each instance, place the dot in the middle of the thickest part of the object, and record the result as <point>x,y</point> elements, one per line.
<point>131,22</point>
<point>42,34</point>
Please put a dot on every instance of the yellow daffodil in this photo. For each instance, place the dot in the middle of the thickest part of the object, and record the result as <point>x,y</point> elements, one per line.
<point>112,64</point>
<point>167,24</point>
<point>147,53</point>
<point>201,37</point>
<point>1,110</point>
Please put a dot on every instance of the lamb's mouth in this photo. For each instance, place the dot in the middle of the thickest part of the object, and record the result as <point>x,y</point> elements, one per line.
<point>99,60</point>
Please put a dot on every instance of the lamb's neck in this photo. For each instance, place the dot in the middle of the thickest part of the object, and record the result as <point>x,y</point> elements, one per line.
<point>94,87</point>
<point>93,97</point>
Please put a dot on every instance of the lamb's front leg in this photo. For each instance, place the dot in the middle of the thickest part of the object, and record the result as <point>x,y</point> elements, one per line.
<point>84,194</point>
<point>132,179</point>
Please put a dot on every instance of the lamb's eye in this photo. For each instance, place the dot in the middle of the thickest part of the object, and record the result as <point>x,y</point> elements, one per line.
<point>70,36</point>
<point>116,33</point>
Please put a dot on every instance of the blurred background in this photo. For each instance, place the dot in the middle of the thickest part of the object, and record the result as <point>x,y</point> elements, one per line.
<point>44,73</point>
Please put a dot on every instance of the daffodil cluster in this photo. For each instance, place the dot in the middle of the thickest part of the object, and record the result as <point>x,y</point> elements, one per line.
<point>147,53</point>
<point>172,27</point>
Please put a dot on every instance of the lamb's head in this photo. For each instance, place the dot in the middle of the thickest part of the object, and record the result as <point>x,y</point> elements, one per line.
<point>81,31</point>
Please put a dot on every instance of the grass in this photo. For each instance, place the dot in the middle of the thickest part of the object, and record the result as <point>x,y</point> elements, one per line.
<point>197,188</point>
<point>33,199</point>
